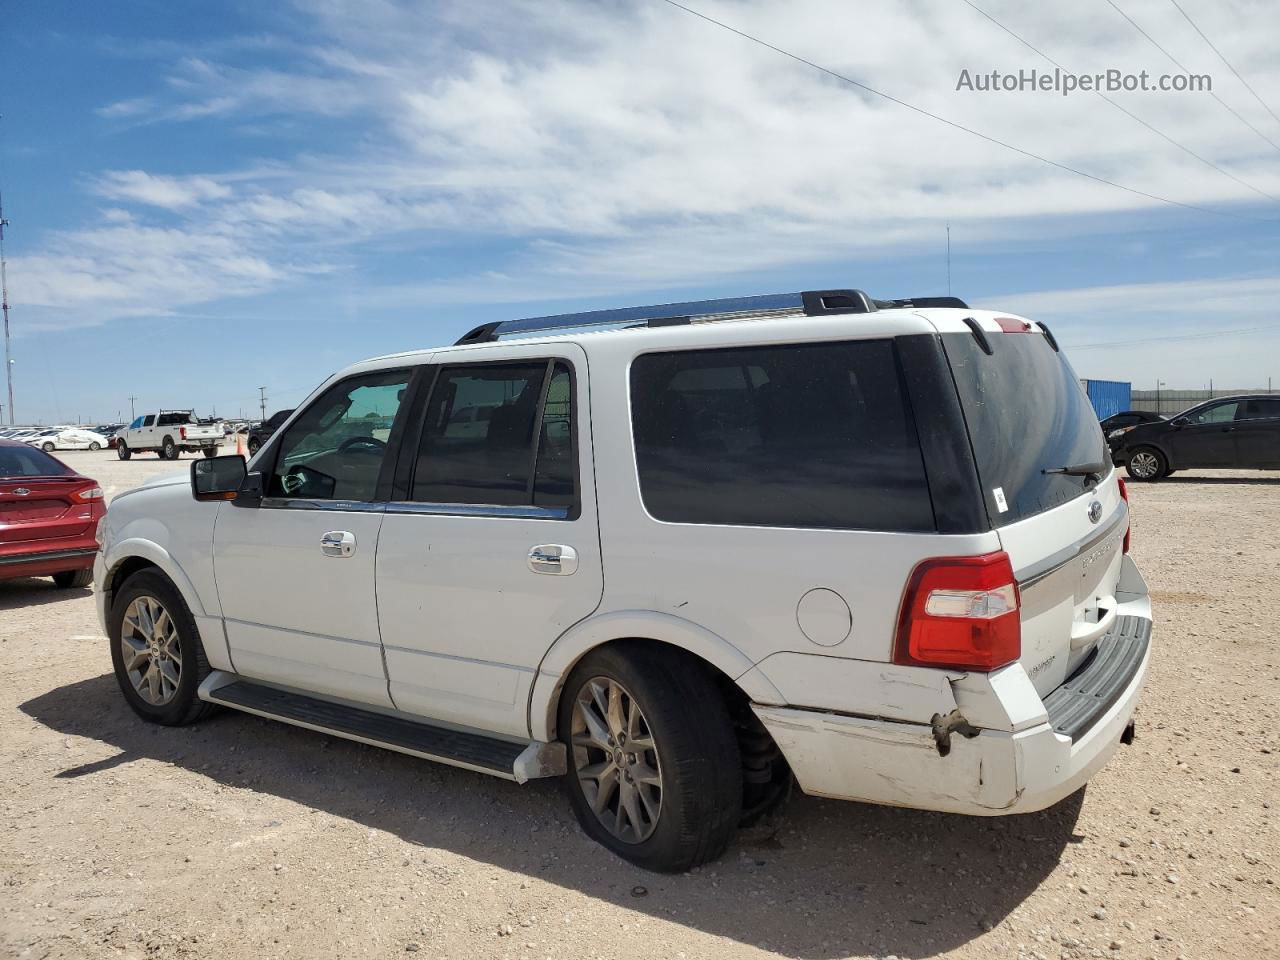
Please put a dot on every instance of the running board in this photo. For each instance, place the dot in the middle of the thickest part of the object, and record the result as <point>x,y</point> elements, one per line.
<point>472,751</point>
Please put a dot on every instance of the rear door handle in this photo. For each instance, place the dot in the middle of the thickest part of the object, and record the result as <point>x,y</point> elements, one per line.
<point>338,543</point>
<point>553,558</point>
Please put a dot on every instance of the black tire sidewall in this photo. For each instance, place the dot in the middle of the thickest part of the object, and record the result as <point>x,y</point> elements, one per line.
<point>697,751</point>
<point>123,451</point>
<point>194,666</point>
<point>95,446</point>
<point>167,449</point>
<point>66,579</point>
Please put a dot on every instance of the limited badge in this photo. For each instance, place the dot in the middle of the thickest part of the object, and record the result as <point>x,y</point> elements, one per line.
<point>1001,503</point>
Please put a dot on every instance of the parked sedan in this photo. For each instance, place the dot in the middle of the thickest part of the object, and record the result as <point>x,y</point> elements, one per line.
<point>1117,425</point>
<point>1241,432</point>
<point>68,438</point>
<point>49,517</point>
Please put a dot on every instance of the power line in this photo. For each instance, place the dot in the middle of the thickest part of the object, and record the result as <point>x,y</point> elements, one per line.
<point>1187,17</point>
<point>1215,334</point>
<point>1133,116</point>
<point>1178,63</point>
<point>958,126</point>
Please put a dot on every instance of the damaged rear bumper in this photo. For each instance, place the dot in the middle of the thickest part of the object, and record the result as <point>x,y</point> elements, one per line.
<point>982,772</point>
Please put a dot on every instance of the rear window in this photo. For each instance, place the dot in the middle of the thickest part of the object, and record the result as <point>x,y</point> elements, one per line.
<point>1026,413</point>
<point>801,435</point>
<point>30,462</point>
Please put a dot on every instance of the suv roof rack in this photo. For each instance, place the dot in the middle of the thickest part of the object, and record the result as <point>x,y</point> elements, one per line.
<point>811,303</point>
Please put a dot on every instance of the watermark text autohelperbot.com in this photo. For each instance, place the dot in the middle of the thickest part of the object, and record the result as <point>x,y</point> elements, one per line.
<point>1064,83</point>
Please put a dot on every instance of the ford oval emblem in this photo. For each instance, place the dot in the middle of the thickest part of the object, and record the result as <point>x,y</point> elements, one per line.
<point>21,492</point>
<point>1095,511</point>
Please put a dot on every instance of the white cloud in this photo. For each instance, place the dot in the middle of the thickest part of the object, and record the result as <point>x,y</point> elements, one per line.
<point>170,193</point>
<point>621,146</point>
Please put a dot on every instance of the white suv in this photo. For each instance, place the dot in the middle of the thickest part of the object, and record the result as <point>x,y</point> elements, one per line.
<point>676,555</point>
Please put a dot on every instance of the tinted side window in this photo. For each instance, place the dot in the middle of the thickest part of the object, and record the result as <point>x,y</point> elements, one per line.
<point>334,451</point>
<point>1220,413</point>
<point>477,439</point>
<point>1260,410</point>
<point>802,435</point>
<point>149,420</point>
<point>499,434</point>
<point>553,484</point>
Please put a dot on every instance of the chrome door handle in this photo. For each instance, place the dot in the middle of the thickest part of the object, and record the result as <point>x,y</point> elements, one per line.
<point>553,558</point>
<point>338,543</point>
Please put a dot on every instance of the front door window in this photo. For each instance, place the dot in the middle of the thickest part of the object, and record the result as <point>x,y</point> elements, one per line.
<point>335,449</point>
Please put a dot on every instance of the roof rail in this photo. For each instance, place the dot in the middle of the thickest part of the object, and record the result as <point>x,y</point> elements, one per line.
<point>923,302</point>
<point>812,303</point>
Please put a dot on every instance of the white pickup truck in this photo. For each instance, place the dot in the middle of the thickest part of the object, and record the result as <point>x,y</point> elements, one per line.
<point>169,433</point>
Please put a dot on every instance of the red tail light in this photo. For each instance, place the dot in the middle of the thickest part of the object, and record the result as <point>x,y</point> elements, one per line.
<point>961,612</point>
<point>1128,521</point>
<point>182,432</point>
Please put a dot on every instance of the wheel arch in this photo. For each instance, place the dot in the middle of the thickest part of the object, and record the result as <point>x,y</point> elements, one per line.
<point>130,556</point>
<point>724,659</point>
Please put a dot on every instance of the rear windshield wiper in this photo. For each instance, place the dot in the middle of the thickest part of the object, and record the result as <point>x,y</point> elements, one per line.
<point>1094,469</point>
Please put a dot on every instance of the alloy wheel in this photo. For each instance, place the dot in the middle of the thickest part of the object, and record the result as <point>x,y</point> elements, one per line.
<point>616,760</point>
<point>151,650</point>
<point>1143,465</point>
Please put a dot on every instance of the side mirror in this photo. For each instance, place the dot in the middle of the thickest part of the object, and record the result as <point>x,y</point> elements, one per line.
<point>1181,422</point>
<point>217,478</point>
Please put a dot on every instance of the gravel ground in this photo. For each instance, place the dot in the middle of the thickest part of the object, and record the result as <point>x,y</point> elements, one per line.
<point>244,838</point>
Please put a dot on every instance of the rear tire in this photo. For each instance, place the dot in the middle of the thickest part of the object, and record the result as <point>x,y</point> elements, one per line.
<point>123,451</point>
<point>73,578</point>
<point>95,446</point>
<point>1147,464</point>
<point>177,650</point>
<point>168,450</point>
<point>668,703</point>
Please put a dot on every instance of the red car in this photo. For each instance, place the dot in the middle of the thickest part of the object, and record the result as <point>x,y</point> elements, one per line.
<point>49,517</point>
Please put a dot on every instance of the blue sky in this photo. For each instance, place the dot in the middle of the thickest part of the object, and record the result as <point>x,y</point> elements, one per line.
<point>206,198</point>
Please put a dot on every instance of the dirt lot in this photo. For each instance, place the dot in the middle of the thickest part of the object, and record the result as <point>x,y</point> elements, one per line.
<point>243,838</point>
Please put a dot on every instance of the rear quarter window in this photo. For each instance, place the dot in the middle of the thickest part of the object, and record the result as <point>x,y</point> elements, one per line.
<point>796,435</point>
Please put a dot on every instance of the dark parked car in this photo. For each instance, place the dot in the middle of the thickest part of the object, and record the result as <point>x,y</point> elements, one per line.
<point>262,432</point>
<point>1117,425</point>
<point>48,517</point>
<point>1241,432</point>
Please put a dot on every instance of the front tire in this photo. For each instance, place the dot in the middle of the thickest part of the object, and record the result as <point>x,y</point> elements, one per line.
<point>156,651</point>
<point>674,799</point>
<point>67,579</point>
<point>47,447</point>
<point>254,445</point>
<point>1147,464</point>
<point>123,451</point>
<point>210,452</point>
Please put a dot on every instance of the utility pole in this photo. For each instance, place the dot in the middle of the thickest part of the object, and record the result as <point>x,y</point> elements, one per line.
<point>4,304</point>
<point>262,401</point>
<point>132,413</point>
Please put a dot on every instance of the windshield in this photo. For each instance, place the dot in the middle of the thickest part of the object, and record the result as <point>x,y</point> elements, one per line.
<point>1027,413</point>
<point>30,462</point>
